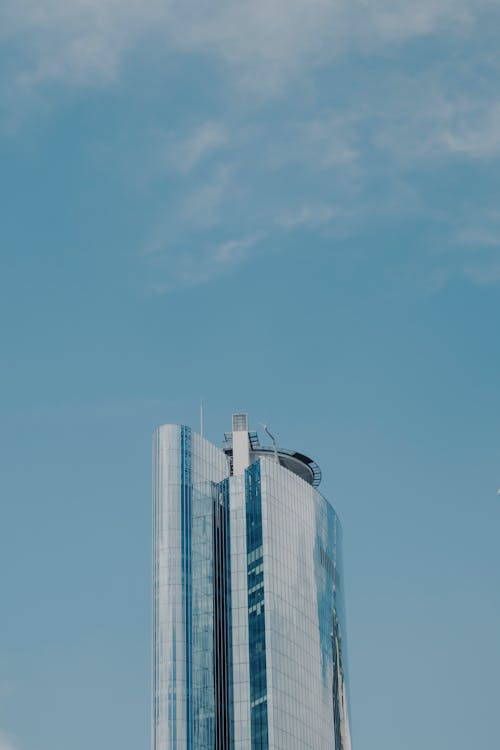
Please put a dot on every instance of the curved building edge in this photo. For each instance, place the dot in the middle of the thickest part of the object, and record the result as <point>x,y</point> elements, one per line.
<point>249,634</point>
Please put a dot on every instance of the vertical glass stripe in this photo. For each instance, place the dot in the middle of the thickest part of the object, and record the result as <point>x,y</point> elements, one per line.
<point>186,521</point>
<point>256,616</point>
<point>154,655</point>
<point>222,617</point>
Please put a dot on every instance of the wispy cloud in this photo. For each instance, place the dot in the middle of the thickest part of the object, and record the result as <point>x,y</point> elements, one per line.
<point>479,237</point>
<point>181,267</point>
<point>81,42</point>
<point>325,116</point>
<point>331,139</point>
<point>233,251</point>
<point>186,153</point>
<point>199,208</point>
<point>309,216</point>
<point>471,251</point>
<point>6,743</point>
<point>479,230</point>
<point>203,204</point>
<point>85,41</point>
<point>485,274</point>
<point>441,112</point>
<point>477,132</point>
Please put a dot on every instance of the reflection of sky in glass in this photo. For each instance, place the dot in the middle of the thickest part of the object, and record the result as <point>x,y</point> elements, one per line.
<point>300,566</point>
<point>267,670</point>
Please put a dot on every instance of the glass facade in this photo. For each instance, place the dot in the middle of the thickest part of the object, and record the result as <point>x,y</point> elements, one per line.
<point>248,613</point>
<point>256,610</point>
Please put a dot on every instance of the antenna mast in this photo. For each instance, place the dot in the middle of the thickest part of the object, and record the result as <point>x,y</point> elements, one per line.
<point>273,442</point>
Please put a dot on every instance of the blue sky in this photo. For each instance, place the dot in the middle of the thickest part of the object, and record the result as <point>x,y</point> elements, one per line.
<point>289,208</point>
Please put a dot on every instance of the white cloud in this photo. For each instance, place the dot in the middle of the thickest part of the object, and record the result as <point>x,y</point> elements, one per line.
<point>477,132</point>
<point>332,151</point>
<point>203,205</point>
<point>441,112</point>
<point>479,230</point>
<point>233,251</point>
<point>79,41</point>
<point>176,267</point>
<point>480,237</point>
<point>331,139</point>
<point>188,152</point>
<point>6,743</point>
<point>309,216</point>
<point>263,41</point>
<point>268,40</point>
<point>484,274</point>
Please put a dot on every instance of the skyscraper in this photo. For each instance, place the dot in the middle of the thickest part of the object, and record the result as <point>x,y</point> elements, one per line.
<point>248,613</point>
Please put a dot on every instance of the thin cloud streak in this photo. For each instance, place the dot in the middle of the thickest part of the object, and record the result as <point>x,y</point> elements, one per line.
<point>479,135</point>
<point>186,154</point>
<point>203,205</point>
<point>176,268</point>
<point>486,274</point>
<point>308,216</point>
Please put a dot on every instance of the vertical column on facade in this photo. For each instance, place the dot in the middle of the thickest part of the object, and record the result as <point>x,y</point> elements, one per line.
<point>154,655</point>
<point>186,523</point>
<point>240,680</point>
<point>170,568</point>
<point>340,699</point>
<point>202,631</point>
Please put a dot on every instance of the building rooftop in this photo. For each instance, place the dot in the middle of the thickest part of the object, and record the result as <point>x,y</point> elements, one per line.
<point>298,463</point>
